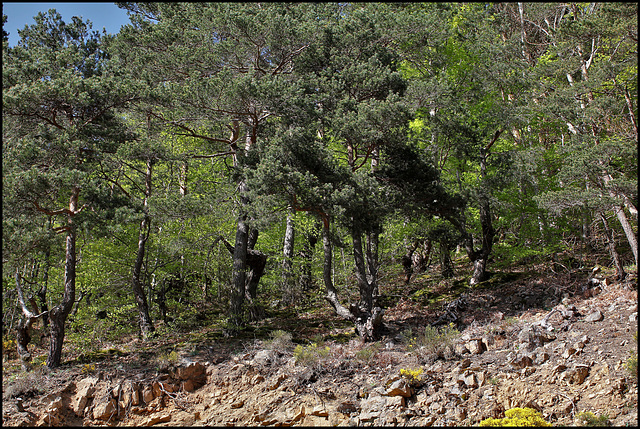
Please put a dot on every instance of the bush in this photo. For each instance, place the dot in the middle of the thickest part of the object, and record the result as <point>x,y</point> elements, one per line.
<point>368,353</point>
<point>590,419</point>
<point>433,342</point>
<point>310,355</point>
<point>517,417</point>
<point>632,363</point>
<point>279,341</point>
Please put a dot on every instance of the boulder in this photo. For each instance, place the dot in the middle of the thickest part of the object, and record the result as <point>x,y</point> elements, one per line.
<point>400,387</point>
<point>84,391</point>
<point>104,410</point>
<point>595,316</point>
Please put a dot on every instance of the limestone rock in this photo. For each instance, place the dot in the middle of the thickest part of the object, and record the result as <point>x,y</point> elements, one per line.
<point>533,336</point>
<point>595,316</point>
<point>154,420</point>
<point>371,408</point>
<point>476,346</point>
<point>521,361</point>
<point>399,387</point>
<point>85,390</point>
<point>104,410</point>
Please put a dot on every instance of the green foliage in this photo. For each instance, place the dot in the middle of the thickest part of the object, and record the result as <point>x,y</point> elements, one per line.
<point>433,342</point>
<point>166,360</point>
<point>589,419</point>
<point>632,362</point>
<point>367,353</point>
<point>279,341</point>
<point>517,417</point>
<point>311,355</point>
<point>410,120</point>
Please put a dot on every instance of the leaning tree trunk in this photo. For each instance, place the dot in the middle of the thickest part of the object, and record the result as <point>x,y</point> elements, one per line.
<point>146,324</point>
<point>58,314</point>
<point>620,273</point>
<point>332,294</point>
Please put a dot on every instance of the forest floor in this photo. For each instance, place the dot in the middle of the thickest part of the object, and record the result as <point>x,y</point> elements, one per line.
<point>508,354</point>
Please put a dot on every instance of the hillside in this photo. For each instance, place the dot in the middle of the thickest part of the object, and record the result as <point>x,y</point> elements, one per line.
<point>550,341</point>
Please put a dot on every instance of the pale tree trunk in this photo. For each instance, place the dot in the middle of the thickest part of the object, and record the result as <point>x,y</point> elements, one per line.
<point>23,331</point>
<point>288,284</point>
<point>624,222</point>
<point>146,324</point>
<point>58,314</point>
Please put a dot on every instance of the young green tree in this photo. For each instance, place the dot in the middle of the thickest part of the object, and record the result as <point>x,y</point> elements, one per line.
<point>59,102</point>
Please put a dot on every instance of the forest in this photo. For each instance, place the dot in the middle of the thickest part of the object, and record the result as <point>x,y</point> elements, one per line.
<point>243,159</point>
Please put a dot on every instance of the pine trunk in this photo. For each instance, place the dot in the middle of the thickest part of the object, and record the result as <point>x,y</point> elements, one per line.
<point>146,324</point>
<point>366,316</point>
<point>58,315</point>
<point>288,285</point>
<point>239,275</point>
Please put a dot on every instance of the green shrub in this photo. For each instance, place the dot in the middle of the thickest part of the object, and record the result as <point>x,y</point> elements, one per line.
<point>279,341</point>
<point>367,353</point>
<point>431,342</point>
<point>517,417</point>
<point>632,364</point>
<point>590,419</point>
<point>310,355</point>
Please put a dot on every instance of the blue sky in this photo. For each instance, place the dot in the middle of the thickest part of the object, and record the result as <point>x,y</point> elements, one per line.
<point>101,14</point>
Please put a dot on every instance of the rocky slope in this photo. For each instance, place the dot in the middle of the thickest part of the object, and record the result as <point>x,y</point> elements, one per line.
<point>565,360</point>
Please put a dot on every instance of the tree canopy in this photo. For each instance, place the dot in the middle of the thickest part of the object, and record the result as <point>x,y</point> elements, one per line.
<point>172,164</point>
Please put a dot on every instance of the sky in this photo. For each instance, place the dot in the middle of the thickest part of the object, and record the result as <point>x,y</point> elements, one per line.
<point>101,14</point>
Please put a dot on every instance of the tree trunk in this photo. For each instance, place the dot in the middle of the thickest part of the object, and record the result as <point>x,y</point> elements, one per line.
<point>366,315</point>
<point>58,315</point>
<point>238,275</point>
<point>332,294</point>
<point>372,262</point>
<point>42,292</point>
<point>23,331</point>
<point>620,273</point>
<point>308,249</point>
<point>407,262</point>
<point>288,284</point>
<point>256,261</point>
<point>628,231</point>
<point>146,324</point>
<point>422,256</point>
<point>446,265</point>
